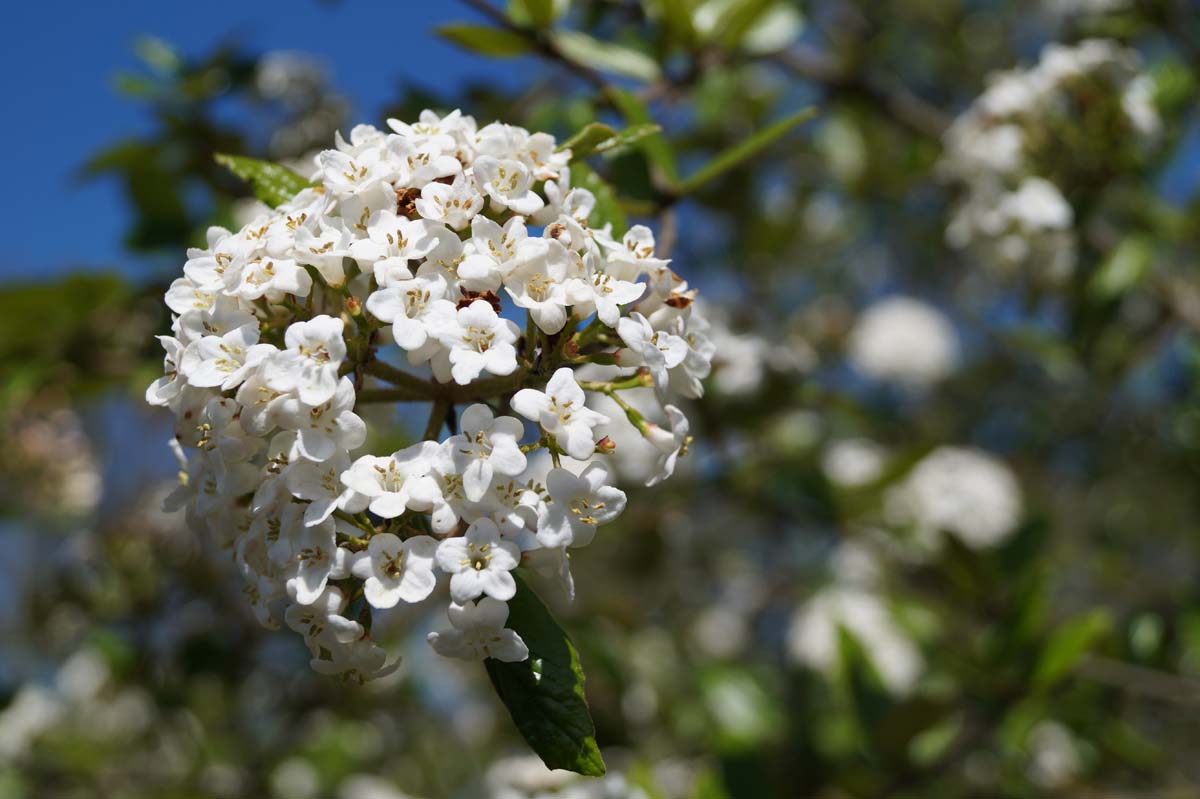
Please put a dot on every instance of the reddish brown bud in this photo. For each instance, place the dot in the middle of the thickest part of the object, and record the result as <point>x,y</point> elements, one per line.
<point>406,202</point>
<point>606,446</point>
<point>469,297</point>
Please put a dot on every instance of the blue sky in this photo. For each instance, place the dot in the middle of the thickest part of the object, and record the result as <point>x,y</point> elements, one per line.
<point>56,77</point>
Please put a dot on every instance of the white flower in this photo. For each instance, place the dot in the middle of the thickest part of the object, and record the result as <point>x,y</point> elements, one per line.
<point>325,249</point>
<point>601,291</point>
<point>455,205</point>
<point>269,277</point>
<point>813,636</point>
<point>359,661</point>
<point>1037,204</point>
<point>393,570</point>
<point>486,447</point>
<point>165,389</point>
<point>224,361</point>
<point>395,483</point>
<point>479,633</point>
<point>492,250</point>
<point>904,340</point>
<point>670,445</point>
<point>315,350</point>
<point>321,486</point>
<point>538,282</point>
<point>346,174</point>
<point>421,162</point>
<point>392,242</point>
<point>561,412</point>
<point>966,492</point>
<point>326,428</point>
<point>479,340</point>
<point>508,183</point>
<point>579,505</point>
<point>407,306</point>
<point>634,256</point>
<point>479,563</point>
<point>315,558</point>
<point>853,462</point>
<point>657,350</point>
<point>321,621</point>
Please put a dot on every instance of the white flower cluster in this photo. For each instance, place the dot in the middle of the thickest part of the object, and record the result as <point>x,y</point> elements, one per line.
<point>1003,148</point>
<point>407,238</point>
<point>904,341</point>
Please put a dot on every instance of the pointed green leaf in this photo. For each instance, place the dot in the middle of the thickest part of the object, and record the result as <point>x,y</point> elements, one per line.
<point>273,184</point>
<point>606,56</point>
<point>584,141</point>
<point>742,151</point>
<point>608,209</point>
<point>544,694</point>
<point>486,40</point>
<point>628,136</point>
<point>1070,642</point>
<point>600,138</point>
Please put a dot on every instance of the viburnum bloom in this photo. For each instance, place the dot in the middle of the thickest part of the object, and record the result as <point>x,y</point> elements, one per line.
<point>670,444</point>
<point>224,361</point>
<point>395,483</point>
<point>408,305</point>
<point>324,429</point>
<point>467,248</point>
<point>479,562</point>
<point>657,350</point>
<point>315,350</point>
<point>486,447</point>
<point>479,341</point>
<point>562,413</point>
<point>578,505</point>
<point>479,633</point>
<point>393,570</point>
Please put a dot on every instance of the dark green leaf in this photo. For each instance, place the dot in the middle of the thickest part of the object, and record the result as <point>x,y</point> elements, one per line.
<point>608,209</point>
<point>742,151</point>
<point>485,40</point>
<point>273,184</point>
<point>544,694</point>
<point>539,12</point>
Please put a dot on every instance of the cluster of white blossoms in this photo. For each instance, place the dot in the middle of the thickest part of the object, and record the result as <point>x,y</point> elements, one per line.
<point>414,244</point>
<point>904,341</point>
<point>1005,148</point>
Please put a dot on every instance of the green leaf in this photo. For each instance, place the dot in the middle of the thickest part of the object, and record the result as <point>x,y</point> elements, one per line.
<point>677,18</point>
<point>742,151</point>
<point>606,56</point>
<point>600,138</point>
<point>273,184</point>
<point>485,40</point>
<point>544,694</point>
<point>655,146</point>
<point>1068,645</point>
<point>628,136</point>
<point>1123,269</point>
<point>608,209</point>
<point>737,18</point>
<point>584,141</point>
<point>539,12</point>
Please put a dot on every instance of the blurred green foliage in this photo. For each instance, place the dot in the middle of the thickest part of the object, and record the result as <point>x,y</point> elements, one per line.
<point>1064,661</point>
